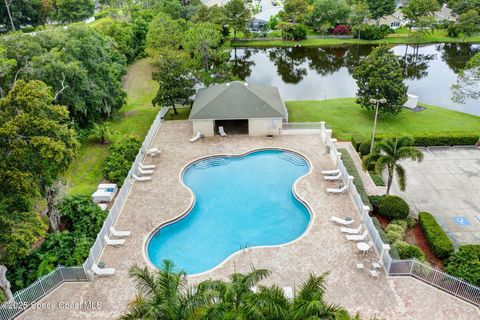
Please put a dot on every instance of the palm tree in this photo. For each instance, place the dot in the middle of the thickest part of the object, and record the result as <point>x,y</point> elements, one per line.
<point>309,303</point>
<point>388,153</point>
<point>164,295</point>
<point>236,300</point>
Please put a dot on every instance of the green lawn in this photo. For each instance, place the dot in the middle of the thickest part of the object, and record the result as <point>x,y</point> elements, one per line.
<point>347,119</point>
<point>134,119</point>
<point>399,37</point>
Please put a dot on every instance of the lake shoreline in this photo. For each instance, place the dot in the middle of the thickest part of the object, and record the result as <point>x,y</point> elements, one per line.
<point>328,41</point>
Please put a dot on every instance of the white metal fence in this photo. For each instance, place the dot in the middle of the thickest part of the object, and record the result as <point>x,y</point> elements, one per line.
<point>413,268</point>
<point>99,244</point>
<point>24,298</point>
<point>437,278</point>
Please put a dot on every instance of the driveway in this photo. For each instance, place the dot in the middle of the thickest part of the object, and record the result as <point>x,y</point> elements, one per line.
<point>447,184</point>
<point>268,9</point>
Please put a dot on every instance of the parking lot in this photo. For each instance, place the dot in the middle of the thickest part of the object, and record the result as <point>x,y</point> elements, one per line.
<point>447,184</point>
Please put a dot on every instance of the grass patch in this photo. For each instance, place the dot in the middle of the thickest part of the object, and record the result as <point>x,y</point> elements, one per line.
<point>134,119</point>
<point>347,119</point>
<point>377,179</point>
<point>357,179</point>
<point>399,37</point>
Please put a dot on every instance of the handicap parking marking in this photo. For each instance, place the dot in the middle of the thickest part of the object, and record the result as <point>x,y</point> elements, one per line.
<point>461,221</point>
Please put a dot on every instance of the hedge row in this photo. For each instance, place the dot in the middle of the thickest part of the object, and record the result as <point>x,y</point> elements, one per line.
<point>465,263</point>
<point>426,139</point>
<point>437,240</point>
<point>357,179</point>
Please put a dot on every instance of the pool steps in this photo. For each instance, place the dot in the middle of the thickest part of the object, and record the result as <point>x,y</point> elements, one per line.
<point>211,162</point>
<point>293,158</point>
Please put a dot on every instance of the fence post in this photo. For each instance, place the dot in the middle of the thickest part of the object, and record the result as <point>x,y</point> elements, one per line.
<point>366,210</point>
<point>385,250</point>
<point>350,182</point>
<point>411,267</point>
<point>61,273</point>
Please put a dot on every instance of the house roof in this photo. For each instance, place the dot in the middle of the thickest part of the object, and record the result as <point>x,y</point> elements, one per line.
<point>238,100</point>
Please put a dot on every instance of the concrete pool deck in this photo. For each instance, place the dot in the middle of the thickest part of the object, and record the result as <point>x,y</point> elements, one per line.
<point>447,184</point>
<point>323,248</point>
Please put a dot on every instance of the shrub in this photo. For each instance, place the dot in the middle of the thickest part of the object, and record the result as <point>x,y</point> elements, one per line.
<point>298,32</point>
<point>368,32</point>
<point>409,251</point>
<point>428,139</point>
<point>393,207</point>
<point>393,251</point>
<point>394,233</point>
<point>401,223</point>
<point>120,159</point>
<point>377,179</point>
<point>465,263</point>
<point>364,148</point>
<point>437,240</point>
<point>83,220</point>
<point>375,202</point>
<point>453,31</point>
<point>341,30</point>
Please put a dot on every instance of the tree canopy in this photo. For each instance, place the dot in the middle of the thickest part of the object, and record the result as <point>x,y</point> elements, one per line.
<point>380,8</point>
<point>379,75</point>
<point>237,16</point>
<point>81,65</point>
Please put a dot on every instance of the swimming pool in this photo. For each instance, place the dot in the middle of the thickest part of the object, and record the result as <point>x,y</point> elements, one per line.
<point>240,201</point>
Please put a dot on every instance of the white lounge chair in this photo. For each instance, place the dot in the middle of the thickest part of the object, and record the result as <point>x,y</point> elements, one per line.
<point>196,137</point>
<point>374,274</point>
<point>330,172</point>
<point>341,221</point>
<point>113,242</point>
<point>137,178</point>
<point>337,190</point>
<point>351,230</point>
<point>359,265</point>
<point>154,152</point>
<point>288,292</point>
<point>144,172</point>
<point>119,234</point>
<point>146,166</point>
<point>356,237</point>
<point>222,131</point>
<point>102,271</point>
<point>333,178</point>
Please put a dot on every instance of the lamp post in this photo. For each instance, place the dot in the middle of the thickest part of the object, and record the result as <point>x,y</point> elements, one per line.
<point>377,103</point>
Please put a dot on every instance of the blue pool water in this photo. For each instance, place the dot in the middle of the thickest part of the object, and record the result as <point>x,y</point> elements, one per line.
<point>240,201</point>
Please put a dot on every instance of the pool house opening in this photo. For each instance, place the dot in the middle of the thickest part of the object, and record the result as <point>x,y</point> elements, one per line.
<point>232,126</point>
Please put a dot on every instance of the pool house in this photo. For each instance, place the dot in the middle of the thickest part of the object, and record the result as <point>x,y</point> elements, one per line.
<point>240,108</point>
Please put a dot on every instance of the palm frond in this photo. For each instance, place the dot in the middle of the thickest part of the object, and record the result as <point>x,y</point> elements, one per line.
<point>144,280</point>
<point>401,177</point>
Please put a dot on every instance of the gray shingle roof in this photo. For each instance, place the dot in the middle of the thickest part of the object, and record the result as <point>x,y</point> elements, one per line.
<point>238,100</point>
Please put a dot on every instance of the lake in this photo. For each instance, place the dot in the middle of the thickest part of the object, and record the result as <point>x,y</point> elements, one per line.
<point>326,72</point>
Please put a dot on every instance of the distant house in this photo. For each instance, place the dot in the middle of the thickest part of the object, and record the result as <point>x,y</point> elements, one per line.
<point>257,24</point>
<point>397,19</point>
<point>394,21</point>
<point>238,107</point>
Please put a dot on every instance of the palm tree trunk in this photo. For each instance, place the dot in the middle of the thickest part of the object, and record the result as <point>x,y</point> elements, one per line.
<point>389,181</point>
